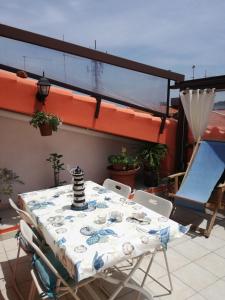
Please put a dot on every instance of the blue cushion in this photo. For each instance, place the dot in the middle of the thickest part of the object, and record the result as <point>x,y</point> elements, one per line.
<point>24,244</point>
<point>204,173</point>
<point>46,276</point>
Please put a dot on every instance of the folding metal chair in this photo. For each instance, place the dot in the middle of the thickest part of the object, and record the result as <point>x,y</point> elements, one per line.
<point>63,286</point>
<point>21,243</point>
<point>163,207</point>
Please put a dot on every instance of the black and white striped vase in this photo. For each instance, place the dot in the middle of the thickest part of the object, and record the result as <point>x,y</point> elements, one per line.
<point>79,202</point>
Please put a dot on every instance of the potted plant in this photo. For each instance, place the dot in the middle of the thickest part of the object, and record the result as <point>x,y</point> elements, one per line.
<point>151,155</point>
<point>123,167</point>
<point>7,179</point>
<point>46,122</point>
<point>57,166</point>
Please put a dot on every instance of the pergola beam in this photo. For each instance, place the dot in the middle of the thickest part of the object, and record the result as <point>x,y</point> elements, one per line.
<point>59,45</point>
<point>217,82</point>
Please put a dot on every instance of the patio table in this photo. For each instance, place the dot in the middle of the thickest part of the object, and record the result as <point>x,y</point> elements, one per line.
<point>89,242</point>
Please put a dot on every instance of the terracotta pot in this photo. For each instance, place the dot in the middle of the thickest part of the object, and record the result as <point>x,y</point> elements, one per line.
<point>21,74</point>
<point>45,129</point>
<point>126,177</point>
<point>162,190</point>
<point>118,167</point>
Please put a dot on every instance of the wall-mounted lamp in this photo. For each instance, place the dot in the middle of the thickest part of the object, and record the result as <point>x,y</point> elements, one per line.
<point>43,86</point>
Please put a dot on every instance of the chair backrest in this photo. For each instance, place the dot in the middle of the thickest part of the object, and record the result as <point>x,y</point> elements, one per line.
<point>33,241</point>
<point>205,171</point>
<point>160,205</point>
<point>117,187</point>
<point>23,214</point>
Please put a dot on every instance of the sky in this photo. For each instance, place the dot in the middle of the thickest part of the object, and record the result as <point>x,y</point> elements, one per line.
<point>173,35</point>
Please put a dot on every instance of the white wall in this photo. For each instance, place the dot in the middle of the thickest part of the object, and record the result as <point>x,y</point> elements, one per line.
<point>24,150</point>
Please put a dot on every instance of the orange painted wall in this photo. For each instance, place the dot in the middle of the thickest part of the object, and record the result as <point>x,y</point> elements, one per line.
<point>18,95</point>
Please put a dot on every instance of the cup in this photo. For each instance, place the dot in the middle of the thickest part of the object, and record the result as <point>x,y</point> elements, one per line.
<point>115,216</point>
<point>138,215</point>
<point>100,219</point>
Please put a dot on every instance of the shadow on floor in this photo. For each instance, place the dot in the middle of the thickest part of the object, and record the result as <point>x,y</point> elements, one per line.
<point>11,290</point>
<point>9,218</point>
<point>187,216</point>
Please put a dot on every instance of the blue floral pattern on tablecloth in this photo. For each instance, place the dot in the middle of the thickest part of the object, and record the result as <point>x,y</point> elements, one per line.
<point>87,242</point>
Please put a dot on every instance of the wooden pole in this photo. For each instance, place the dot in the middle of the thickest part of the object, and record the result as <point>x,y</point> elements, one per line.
<point>192,157</point>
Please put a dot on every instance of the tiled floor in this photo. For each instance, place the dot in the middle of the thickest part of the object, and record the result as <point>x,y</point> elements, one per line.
<point>197,267</point>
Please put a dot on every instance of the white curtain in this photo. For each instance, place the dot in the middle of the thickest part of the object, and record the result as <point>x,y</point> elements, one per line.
<point>197,106</point>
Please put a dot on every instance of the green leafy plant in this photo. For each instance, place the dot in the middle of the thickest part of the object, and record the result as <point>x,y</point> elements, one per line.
<point>151,155</point>
<point>40,117</point>
<point>7,179</point>
<point>123,161</point>
<point>57,166</point>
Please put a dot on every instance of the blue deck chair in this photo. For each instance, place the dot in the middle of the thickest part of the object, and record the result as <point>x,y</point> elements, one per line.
<point>203,184</point>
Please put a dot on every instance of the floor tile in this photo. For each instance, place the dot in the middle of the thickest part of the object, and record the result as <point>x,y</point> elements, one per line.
<point>219,232</point>
<point>195,276</point>
<point>2,249</point>
<point>221,251</point>
<point>5,269</point>
<point>181,240</point>
<point>180,290</point>
<point>138,276</point>
<point>131,296</point>
<point>214,291</point>
<point>22,260</point>
<point>196,296</point>
<point>24,289</point>
<point>8,294</point>
<point>175,259</point>
<point>212,243</point>
<point>187,216</point>
<point>6,282</point>
<point>23,272</point>
<point>12,254</point>
<point>156,269</point>
<point>10,244</point>
<point>191,250</point>
<point>110,288</point>
<point>213,263</point>
<point>3,257</point>
<point>85,293</point>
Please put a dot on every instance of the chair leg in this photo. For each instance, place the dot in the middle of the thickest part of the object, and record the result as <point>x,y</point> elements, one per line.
<point>148,268</point>
<point>146,272</point>
<point>168,270</point>
<point>169,290</point>
<point>211,223</point>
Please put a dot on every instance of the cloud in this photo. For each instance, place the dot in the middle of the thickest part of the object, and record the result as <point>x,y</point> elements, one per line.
<point>169,34</point>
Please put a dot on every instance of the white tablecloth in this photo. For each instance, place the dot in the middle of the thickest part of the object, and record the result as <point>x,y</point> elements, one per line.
<point>86,247</point>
